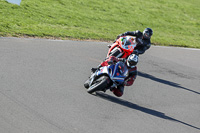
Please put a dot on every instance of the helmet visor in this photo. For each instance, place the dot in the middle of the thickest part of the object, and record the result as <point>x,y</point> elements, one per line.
<point>146,35</point>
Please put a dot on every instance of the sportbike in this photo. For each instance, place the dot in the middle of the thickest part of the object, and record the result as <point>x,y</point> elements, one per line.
<point>123,47</point>
<point>107,77</point>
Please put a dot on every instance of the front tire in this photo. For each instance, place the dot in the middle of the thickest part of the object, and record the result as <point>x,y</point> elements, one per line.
<point>100,84</point>
<point>116,52</point>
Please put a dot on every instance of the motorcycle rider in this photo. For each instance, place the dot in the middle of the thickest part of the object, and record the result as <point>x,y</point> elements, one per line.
<point>131,63</point>
<point>142,39</point>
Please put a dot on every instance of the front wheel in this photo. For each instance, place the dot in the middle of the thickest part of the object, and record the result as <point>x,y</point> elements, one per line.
<point>117,52</point>
<point>98,85</point>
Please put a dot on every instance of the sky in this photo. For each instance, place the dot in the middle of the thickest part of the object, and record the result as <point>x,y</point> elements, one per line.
<point>15,1</point>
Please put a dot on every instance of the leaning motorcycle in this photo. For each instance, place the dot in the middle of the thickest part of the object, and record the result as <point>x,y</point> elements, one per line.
<point>123,47</point>
<point>107,77</point>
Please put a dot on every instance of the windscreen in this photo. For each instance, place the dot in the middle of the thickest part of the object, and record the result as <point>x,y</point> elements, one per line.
<point>122,69</point>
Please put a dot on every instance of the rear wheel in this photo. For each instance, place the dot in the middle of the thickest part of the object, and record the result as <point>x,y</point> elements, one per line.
<point>100,84</point>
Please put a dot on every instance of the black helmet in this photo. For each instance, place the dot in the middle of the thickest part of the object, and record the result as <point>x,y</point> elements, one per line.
<point>147,33</point>
<point>132,60</point>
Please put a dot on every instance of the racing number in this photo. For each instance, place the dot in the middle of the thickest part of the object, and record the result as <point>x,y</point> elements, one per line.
<point>130,47</point>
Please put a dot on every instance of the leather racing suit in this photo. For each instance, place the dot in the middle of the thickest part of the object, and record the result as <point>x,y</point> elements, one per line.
<point>143,43</point>
<point>129,80</point>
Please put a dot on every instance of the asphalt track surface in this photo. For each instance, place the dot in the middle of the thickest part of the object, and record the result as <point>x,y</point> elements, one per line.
<point>41,90</point>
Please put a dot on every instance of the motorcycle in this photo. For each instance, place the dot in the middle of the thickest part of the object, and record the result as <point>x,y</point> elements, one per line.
<point>123,47</point>
<point>107,77</point>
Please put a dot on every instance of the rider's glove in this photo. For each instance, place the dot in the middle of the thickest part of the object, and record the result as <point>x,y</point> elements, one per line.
<point>136,52</point>
<point>119,36</point>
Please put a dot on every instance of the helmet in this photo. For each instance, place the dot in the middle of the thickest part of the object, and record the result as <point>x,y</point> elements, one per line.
<point>132,60</point>
<point>147,33</point>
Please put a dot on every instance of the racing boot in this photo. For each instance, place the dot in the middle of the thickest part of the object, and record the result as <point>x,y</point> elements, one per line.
<point>118,91</point>
<point>93,70</point>
<point>86,84</point>
<point>97,68</point>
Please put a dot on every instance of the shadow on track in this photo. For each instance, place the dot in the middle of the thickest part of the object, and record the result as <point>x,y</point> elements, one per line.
<point>145,75</point>
<point>140,108</point>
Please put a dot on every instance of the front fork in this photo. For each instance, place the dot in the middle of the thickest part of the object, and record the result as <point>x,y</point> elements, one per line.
<point>92,77</point>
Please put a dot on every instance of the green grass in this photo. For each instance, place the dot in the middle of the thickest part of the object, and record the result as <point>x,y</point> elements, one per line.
<point>174,22</point>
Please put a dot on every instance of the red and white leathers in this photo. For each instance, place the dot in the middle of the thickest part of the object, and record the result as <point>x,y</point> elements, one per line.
<point>129,80</point>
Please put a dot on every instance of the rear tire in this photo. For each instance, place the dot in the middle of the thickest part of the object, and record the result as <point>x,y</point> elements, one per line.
<point>100,84</point>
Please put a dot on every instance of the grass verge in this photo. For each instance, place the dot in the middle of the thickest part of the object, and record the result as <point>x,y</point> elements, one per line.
<point>175,22</point>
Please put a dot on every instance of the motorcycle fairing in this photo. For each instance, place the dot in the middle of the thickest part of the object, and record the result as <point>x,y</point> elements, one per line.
<point>126,47</point>
<point>128,43</point>
<point>117,72</point>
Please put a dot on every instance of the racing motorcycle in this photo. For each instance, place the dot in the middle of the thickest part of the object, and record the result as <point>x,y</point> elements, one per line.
<point>107,77</point>
<point>123,47</point>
